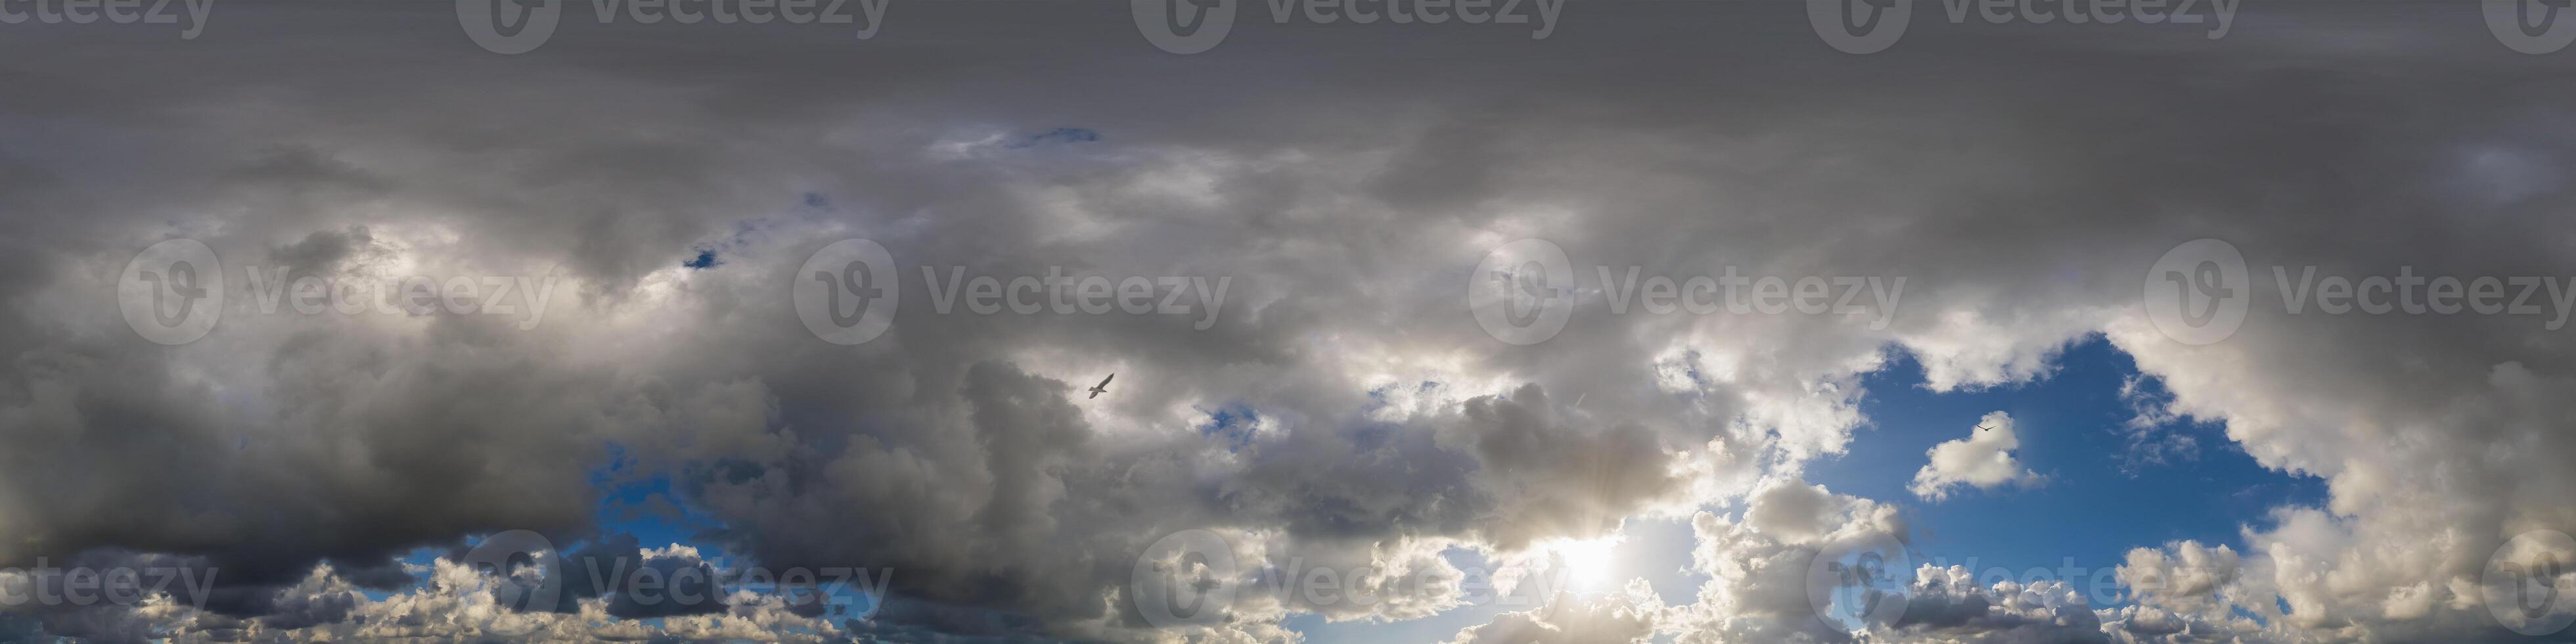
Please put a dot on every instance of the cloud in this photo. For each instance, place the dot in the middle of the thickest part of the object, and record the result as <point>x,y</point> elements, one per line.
<point>1983,460</point>
<point>953,449</point>
<point>1623,618</point>
<point>1947,605</point>
<point>1758,586</point>
<point>455,603</point>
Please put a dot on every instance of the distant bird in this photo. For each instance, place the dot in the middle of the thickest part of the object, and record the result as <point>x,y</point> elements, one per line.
<point>1979,427</point>
<point>1103,387</point>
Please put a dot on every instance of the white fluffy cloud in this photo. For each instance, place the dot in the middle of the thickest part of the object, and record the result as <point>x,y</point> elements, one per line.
<point>1622,618</point>
<point>1947,605</point>
<point>1983,460</point>
<point>1758,567</point>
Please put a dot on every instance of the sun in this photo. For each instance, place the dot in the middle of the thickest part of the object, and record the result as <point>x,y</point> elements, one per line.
<point>1588,563</point>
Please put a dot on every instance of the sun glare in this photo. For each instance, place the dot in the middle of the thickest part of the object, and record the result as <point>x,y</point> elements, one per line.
<point>1589,563</point>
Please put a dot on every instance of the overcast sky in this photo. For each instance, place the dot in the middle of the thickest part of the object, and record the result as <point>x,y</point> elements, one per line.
<point>1569,323</point>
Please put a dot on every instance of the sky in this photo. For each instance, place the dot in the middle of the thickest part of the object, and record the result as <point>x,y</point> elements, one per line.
<point>1280,322</point>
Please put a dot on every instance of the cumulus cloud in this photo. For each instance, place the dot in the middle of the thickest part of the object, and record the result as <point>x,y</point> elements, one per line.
<point>1947,605</point>
<point>1983,460</point>
<point>456,603</point>
<point>1624,618</point>
<point>1759,586</point>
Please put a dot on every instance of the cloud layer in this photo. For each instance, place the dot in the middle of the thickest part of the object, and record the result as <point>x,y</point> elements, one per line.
<point>1343,410</point>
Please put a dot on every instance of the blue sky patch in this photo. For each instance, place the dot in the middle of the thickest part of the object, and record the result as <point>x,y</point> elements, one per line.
<point>2098,500</point>
<point>706,259</point>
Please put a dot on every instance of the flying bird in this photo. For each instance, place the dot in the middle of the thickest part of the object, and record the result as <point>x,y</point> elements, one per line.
<point>1103,387</point>
<point>1979,427</point>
